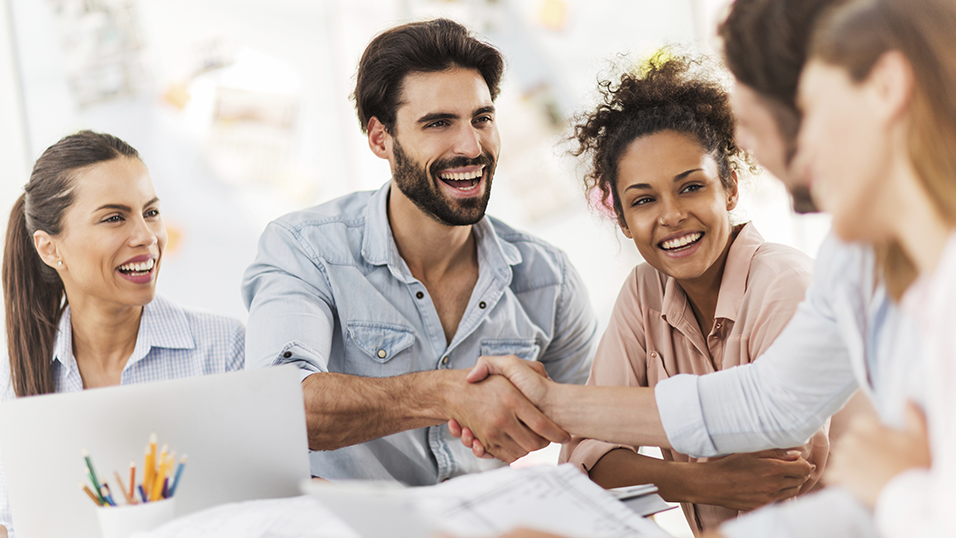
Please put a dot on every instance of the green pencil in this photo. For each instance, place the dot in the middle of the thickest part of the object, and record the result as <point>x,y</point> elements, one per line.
<point>89,465</point>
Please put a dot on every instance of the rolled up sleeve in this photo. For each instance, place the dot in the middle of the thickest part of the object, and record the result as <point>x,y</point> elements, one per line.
<point>290,305</point>
<point>778,401</point>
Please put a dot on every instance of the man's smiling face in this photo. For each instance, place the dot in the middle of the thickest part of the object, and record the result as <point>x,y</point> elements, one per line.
<point>445,144</point>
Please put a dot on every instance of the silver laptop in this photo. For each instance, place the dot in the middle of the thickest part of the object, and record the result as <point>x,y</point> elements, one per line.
<point>244,433</point>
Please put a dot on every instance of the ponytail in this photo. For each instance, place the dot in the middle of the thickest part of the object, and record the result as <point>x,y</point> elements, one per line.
<point>34,304</point>
<point>33,292</point>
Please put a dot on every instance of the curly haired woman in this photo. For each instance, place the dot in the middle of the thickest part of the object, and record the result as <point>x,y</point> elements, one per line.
<point>711,294</point>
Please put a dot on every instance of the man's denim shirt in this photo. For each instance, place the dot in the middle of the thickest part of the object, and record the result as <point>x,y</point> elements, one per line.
<point>329,292</point>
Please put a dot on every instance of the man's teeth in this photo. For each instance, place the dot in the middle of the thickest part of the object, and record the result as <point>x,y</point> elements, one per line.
<point>461,176</point>
<point>671,244</point>
<point>140,267</point>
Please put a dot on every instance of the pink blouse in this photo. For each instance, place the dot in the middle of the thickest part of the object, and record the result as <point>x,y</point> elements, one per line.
<point>653,334</point>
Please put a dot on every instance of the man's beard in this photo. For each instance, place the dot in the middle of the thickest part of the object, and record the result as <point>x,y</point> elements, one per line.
<point>418,186</point>
<point>802,201</point>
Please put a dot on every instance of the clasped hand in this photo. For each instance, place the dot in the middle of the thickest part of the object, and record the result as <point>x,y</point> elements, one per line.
<point>497,410</point>
<point>532,380</point>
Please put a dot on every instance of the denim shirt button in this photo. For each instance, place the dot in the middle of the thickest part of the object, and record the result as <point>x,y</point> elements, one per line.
<point>482,305</point>
<point>382,353</point>
<point>420,295</point>
<point>444,360</point>
<point>287,355</point>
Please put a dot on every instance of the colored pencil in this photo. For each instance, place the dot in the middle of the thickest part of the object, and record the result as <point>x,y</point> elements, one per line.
<point>142,493</point>
<point>149,465</point>
<point>132,481</point>
<point>165,493</point>
<point>123,488</point>
<point>179,471</point>
<point>105,493</point>
<point>158,480</point>
<point>90,493</point>
<point>89,465</point>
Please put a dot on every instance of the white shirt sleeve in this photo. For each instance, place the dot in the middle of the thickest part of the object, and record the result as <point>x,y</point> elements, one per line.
<point>783,398</point>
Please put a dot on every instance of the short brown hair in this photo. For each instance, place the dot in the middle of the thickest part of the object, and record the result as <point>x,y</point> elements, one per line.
<point>418,47</point>
<point>765,47</point>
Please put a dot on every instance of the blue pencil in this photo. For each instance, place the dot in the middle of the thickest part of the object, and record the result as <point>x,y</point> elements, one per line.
<point>142,493</point>
<point>105,493</point>
<point>179,471</point>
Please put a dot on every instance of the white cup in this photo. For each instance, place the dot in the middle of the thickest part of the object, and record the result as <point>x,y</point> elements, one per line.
<point>124,520</point>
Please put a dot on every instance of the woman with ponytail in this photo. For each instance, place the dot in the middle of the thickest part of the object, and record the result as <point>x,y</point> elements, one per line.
<point>84,246</point>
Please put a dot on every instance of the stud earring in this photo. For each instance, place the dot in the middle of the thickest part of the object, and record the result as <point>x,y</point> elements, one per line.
<point>60,263</point>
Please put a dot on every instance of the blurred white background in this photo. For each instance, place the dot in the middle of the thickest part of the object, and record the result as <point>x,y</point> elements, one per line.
<point>241,111</point>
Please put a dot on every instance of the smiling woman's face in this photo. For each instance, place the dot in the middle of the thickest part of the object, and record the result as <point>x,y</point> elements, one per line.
<point>674,205</point>
<point>113,237</point>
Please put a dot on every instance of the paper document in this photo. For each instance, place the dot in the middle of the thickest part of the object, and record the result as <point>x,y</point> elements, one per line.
<point>557,499</point>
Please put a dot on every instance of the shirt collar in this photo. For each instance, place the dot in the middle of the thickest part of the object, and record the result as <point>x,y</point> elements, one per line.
<point>378,245</point>
<point>733,283</point>
<point>163,325</point>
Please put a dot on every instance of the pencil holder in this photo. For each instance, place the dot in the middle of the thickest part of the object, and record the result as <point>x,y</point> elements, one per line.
<point>125,520</point>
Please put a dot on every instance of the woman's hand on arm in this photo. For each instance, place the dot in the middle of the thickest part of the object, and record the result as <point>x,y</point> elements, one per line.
<point>738,481</point>
<point>870,454</point>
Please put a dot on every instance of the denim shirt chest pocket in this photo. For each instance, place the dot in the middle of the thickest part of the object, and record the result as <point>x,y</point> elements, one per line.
<point>526,349</point>
<point>380,342</point>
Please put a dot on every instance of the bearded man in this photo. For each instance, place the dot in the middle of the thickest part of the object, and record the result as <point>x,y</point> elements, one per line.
<point>385,299</point>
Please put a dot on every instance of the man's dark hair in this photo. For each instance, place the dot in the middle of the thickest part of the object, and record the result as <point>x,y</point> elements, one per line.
<point>418,47</point>
<point>765,47</point>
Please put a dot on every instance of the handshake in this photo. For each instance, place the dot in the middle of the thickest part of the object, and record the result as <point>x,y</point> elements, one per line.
<point>507,409</point>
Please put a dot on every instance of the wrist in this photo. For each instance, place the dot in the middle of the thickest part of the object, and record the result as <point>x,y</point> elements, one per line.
<point>431,395</point>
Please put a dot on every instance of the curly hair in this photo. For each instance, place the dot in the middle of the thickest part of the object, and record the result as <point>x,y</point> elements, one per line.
<point>668,93</point>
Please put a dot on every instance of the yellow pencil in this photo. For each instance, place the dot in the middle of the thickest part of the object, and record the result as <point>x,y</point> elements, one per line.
<point>157,489</point>
<point>150,470</point>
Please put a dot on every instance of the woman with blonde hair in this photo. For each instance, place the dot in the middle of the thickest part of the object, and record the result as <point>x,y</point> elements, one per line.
<point>879,144</point>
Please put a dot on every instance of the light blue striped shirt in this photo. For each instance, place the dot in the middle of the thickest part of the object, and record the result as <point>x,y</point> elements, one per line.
<point>172,343</point>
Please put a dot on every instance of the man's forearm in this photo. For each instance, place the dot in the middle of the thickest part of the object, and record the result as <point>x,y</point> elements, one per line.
<point>625,415</point>
<point>343,410</point>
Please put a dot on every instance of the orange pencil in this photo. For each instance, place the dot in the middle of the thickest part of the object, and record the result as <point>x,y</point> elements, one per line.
<point>122,488</point>
<point>132,481</point>
<point>90,493</point>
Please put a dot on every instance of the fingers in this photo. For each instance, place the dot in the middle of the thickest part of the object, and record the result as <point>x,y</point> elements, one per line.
<point>501,365</point>
<point>481,370</point>
<point>467,437</point>
<point>797,470</point>
<point>479,451</point>
<point>455,429</point>
<point>779,454</point>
